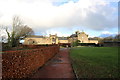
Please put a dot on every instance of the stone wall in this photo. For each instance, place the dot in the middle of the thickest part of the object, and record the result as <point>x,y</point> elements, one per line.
<point>93,41</point>
<point>63,41</point>
<point>22,63</point>
<point>111,44</point>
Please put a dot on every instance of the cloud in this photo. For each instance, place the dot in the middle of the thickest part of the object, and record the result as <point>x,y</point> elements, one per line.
<point>107,34</point>
<point>43,14</point>
<point>60,32</point>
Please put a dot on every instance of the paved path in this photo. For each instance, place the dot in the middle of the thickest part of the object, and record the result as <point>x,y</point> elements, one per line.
<point>58,67</point>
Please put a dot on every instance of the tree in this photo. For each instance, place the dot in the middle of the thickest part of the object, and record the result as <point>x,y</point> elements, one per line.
<point>19,31</point>
<point>75,43</point>
<point>110,38</point>
<point>2,34</point>
<point>117,37</point>
<point>1,27</point>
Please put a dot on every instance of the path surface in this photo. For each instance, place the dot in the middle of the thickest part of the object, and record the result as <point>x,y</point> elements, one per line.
<point>58,67</point>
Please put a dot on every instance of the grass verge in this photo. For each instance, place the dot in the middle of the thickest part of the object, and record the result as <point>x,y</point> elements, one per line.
<point>95,62</point>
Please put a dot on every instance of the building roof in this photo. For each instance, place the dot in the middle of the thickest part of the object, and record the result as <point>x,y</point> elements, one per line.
<point>77,33</point>
<point>92,39</point>
<point>73,35</point>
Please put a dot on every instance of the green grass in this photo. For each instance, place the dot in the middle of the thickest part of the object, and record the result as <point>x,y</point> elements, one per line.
<point>95,62</point>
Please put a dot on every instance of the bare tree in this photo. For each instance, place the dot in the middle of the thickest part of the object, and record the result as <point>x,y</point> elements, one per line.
<point>117,37</point>
<point>19,31</point>
<point>2,33</point>
<point>110,38</point>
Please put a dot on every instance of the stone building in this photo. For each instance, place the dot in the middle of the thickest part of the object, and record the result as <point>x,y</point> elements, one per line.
<point>54,39</point>
<point>37,40</point>
<point>41,40</point>
<point>82,37</point>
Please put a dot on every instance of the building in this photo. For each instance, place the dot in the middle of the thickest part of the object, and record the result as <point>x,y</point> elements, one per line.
<point>41,40</point>
<point>82,37</point>
<point>54,39</point>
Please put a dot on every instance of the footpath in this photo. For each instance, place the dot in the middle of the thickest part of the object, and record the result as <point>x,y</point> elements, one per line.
<point>58,67</point>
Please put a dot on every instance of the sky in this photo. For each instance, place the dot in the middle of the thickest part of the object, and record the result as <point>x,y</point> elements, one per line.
<point>63,17</point>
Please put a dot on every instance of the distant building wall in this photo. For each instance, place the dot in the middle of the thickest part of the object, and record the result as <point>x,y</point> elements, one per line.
<point>30,41</point>
<point>63,41</point>
<point>83,37</point>
<point>70,40</point>
<point>93,41</point>
<point>54,39</point>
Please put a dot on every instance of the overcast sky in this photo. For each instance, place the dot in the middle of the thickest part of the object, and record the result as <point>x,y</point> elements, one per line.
<point>64,17</point>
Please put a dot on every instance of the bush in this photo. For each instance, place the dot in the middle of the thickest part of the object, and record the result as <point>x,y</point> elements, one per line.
<point>75,43</point>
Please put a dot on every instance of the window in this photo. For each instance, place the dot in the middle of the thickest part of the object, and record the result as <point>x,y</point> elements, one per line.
<point>33,41</point>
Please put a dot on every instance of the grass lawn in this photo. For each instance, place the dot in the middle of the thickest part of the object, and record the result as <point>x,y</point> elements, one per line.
<point>95,62</point>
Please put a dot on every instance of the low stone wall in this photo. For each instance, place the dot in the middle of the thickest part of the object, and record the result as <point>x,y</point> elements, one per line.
<point>22,63</point>
<point>111,44</point>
